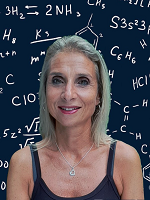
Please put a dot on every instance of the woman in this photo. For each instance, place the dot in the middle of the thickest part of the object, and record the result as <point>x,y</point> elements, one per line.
<point>76,158</point>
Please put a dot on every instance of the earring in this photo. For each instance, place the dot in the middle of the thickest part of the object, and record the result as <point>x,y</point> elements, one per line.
<point>98,108</point>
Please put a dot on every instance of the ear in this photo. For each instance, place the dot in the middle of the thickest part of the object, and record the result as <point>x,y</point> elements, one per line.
<point>97,100</point>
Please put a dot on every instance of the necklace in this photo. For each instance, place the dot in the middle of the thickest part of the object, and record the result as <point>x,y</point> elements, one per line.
<point>72,172</point>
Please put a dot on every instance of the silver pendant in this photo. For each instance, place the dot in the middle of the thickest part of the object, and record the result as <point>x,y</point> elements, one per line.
<point>72,172</point>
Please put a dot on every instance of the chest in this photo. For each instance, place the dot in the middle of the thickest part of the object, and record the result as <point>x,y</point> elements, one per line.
<point>88,175</point>
<point>83,182</point>
<point>55,172</point>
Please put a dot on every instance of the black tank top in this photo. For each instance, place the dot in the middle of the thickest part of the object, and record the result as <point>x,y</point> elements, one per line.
<point>106,190</point>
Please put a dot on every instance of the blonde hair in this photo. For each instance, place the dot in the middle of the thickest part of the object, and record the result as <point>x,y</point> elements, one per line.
<point>101,115</point>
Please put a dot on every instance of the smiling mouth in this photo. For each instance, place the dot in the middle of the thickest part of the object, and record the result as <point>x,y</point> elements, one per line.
<point>69,109</point>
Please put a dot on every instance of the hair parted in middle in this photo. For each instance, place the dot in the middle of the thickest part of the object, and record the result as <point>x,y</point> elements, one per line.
<point>101,115</point>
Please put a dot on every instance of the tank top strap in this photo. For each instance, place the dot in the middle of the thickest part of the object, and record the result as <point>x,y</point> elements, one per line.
<point>35,163</point>
<point>111,157</point>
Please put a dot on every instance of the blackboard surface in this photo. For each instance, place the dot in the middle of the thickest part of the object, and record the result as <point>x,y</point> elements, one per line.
<point>119,29</point>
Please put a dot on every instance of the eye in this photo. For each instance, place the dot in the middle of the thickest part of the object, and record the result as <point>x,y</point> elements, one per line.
<point>83,82</point>
<point>56,81</point>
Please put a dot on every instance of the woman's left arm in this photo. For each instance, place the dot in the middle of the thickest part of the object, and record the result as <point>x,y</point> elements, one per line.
<point>132,178</point>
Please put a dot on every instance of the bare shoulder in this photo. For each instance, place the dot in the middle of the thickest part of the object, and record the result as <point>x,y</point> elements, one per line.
<point>21,158</point>
<point>128,172</point>
<point>126,160</point>
<point>126,153</point>
<point>19,176</point>
<point>21,165</point>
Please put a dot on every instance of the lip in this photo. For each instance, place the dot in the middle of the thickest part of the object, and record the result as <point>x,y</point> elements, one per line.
<point>69,111</point>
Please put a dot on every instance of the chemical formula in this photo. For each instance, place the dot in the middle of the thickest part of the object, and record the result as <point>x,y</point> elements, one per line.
<point>122,39</point>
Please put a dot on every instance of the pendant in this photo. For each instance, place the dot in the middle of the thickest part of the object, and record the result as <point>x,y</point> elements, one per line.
<point>72,172</point>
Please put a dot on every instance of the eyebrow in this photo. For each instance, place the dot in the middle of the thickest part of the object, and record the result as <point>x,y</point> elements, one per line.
<point>56,74</point>
<point>79,75</point>
<point>84,75</point>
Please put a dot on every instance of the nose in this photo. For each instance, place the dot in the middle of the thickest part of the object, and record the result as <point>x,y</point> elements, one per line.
<point>69,92</point>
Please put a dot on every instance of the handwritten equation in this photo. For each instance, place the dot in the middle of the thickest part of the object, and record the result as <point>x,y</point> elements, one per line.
<point>28,129</point>
<point>119,36</point>
<point>35,10</point>
<point>141,3</point>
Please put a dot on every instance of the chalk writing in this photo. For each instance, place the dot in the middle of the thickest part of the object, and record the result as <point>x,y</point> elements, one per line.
<point>4,164</point>
<point>36,59</point>
<point>126,108</point>
<point>11,10</point>
<point>50,10</point>
<point>88,28</point>
<point>24,25</point>
<point>33,13</point>
<point>7,132</point>
<point>139,3</point>
<point>45,40</point>
<point>31,98</point>
<point>28,7</point>
<point>1,90</point>
<point>146,172</point>
<point>122,23</point>
<point>59,10</point>
<point>36,122</point>
<point>34,127</point>
<point>7,53</point>
<point>143,149</point>
<point>137,81</point>
<point>8,79</point>
<point>96,3</point>
<point>111,74</point>
<point>78,14</point>
<point>7,35</point>
<point>119,55</point>
<point>3,185</point>
<point>39,74</point>
<point>124,130</point>
<point>143,43</point>
<point>28,141</point>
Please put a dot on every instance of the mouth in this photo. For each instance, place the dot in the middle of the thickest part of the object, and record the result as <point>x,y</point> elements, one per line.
<point>69,109</point>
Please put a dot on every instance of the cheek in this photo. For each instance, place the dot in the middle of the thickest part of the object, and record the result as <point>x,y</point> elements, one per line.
<point>90,98</point>
<point>51,93</point>
<point>51,96</point>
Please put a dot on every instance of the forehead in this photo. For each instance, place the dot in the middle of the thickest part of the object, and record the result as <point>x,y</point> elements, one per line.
<point>73,61</point>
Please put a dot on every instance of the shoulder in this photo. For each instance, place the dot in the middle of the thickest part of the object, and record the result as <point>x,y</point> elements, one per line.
<point>127,160</point>
<point>21,157</point>
<point>21,164</point>
<point>19,178</point>
<point>128,172</point>
<point>125,152</point>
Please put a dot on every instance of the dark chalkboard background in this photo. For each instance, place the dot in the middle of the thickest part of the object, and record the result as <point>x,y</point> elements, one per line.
<point>119,29</point>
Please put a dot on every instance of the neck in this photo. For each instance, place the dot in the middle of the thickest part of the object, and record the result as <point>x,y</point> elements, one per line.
<point>74,140</point>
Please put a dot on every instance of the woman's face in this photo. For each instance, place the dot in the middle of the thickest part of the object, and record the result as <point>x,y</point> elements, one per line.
<point>71,89</point>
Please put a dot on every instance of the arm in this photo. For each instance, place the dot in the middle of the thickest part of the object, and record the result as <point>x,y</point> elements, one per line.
<point>131,173</point>
<point>19,175</point>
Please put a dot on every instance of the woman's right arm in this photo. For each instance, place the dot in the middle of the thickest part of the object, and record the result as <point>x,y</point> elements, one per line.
<point>19,175</point>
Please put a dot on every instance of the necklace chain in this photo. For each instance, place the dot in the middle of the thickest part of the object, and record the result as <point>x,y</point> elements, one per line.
<point>72,172</point>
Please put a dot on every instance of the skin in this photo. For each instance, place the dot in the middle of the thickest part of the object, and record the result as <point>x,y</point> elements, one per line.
<point>70,88</point>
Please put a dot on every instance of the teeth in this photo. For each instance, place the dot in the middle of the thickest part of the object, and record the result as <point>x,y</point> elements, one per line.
<point>68,109</point>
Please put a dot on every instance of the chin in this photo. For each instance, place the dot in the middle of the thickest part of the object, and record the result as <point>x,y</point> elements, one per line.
<point>66,124</point>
